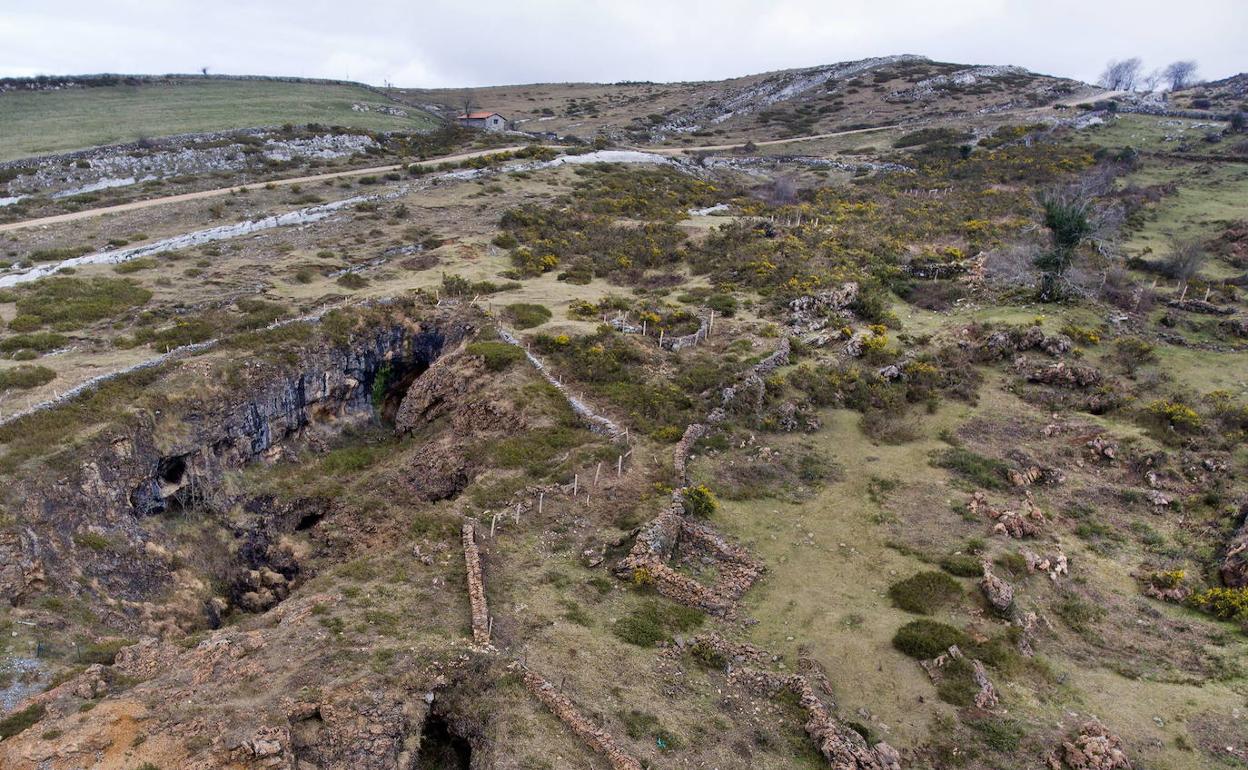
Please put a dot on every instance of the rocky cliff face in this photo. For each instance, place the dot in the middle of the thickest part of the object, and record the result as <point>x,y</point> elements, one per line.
<point>162,463</point>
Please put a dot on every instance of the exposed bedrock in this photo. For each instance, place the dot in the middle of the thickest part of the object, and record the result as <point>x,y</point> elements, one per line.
<point>162,463</point>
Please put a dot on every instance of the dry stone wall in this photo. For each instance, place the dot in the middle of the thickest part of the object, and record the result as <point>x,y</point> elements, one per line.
<point>567,712</point>
<point>476,586</point>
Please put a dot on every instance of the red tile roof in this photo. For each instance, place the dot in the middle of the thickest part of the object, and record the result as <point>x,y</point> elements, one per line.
<point>478,115</point>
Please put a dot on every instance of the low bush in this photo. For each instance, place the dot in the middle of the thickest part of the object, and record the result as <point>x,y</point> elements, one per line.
<point>20,720</point>
<point>723,304</point>
<point>71,301</point>
<point>134,266</point>
<point>979,470</point>
<point>459,286</point>
<point>1078,613</point>
<point>655,621</point>
<point>957,683</point>
<point>58,254</point>
<point>526,315</point>
<point>25,376</point>
<point>962,565</point>
<point>700,501</point>
<point>94,541</point>
<point>997,734</point>
<point>352,281</point>
<point>1225,603</point>
<point>39,342</point>
<point>924,639</point>
<point>497,355</point>
<point>925,592</point>
<point>103,652</point>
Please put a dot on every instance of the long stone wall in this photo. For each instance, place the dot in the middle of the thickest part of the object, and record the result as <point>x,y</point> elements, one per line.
<point>566,711</point>
<point>476,586</point>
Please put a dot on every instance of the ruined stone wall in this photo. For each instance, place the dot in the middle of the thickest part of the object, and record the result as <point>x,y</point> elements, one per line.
<point>688,340</point>
<point>842,747</point>
<point>563,709</point>
<point>680,455</point>
<point>476,585</point>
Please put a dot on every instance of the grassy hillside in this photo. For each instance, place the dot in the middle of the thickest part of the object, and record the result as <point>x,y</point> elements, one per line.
<point>57,121</point>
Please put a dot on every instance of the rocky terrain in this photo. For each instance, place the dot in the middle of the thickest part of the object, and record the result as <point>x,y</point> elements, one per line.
<point>914,448</point>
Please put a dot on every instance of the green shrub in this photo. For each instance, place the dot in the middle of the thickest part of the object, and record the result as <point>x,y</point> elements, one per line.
<point>20,720</point>
<point>76,301</point>
<point>58,255</point>
<point>352,281</point>
<point>40,342</point>
<point>924,639</point>
<point>184,332</point>
<point>134,266</point>
<point>962,565</point>
<point>24,376</point>
<point>1078,613</point>
<point>925,592</point>
<point>497,355</point>
<point>526,315</point>
<point>655,621</point>
<point>93,540</point>
<point>998,735</point>
<point>345,461</point>
<point>1225,603</point>
<point>535,449</point>
<point>700,501</point>
<point>957,683</point>
<point>459,286</point>
<point>102,652</point>
<point>708,656</point>
<point>982,471</point>
<point>723,304</point>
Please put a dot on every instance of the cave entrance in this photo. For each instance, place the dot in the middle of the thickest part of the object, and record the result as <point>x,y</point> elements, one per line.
<point>390,385</point>
<point>442,749</point>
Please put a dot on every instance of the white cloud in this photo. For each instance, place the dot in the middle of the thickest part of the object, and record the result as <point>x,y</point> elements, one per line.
<point>455,43</point>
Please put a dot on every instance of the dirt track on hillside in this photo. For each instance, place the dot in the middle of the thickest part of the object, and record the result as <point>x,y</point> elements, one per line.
<point>60,218</point>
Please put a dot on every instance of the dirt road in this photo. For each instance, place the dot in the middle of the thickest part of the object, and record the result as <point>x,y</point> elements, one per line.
<point>60,218</point>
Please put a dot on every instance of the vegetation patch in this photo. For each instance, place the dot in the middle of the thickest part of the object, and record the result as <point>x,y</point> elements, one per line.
<point>24,377</point>
<point>981,471</point>
<point>925,639</point>
<point>925,592</point>
<point>497,355</point>
<point>656,621</point>
<point>526,315</point>
<point>20,720</point>
<point>70,302</point>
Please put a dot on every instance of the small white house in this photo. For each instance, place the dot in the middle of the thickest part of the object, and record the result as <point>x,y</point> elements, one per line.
<point>490,121</point>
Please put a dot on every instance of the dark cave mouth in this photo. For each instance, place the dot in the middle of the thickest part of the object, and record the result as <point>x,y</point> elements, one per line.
<point>441,748</point>
<point>390,385</point>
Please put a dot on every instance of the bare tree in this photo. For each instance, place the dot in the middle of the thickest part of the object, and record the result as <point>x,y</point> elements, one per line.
<point>1149,82</point>
<point>1180,74</point>
<point>466,99</point>
<point>1121,75</point>
<point>1184,259</point>
<point>204,71</point>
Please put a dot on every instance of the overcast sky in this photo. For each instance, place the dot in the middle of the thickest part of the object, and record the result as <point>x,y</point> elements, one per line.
<point>438,43</point>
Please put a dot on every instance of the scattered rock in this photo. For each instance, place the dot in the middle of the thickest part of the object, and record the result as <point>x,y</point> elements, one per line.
<point>1094,748</point>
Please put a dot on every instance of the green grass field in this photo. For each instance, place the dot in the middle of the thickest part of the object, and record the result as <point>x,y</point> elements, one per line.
<point>58,121</point>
